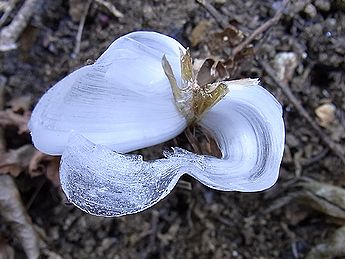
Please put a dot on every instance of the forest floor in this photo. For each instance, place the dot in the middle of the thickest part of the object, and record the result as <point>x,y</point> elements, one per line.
<point>298,52</point>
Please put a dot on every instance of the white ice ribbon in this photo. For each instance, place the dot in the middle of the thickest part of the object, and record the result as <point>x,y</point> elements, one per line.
<point>124,102</point>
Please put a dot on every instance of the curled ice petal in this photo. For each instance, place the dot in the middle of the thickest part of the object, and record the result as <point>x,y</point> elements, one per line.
<point>134,96</point>
<point>105,183</point>
<point>110,101</point>
<point>250,132</point>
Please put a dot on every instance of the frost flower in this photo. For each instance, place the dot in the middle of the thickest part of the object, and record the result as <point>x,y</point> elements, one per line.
<point>142,91</point>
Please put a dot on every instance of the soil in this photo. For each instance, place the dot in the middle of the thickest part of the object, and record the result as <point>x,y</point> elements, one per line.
<point>197,223</point>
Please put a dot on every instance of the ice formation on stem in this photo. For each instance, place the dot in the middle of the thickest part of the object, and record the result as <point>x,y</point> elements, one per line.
<point>141,92</point>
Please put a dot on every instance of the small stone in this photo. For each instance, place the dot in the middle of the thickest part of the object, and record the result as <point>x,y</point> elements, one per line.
<point>285,64</point>
<point>323,5</point>
<point>310,10</point>
<point>326,114</point>
<point>235,253</point>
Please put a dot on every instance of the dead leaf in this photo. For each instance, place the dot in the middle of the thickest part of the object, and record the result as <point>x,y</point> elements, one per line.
<point>44,164</point>
<point>20,104</point>
<point>229,36</point>
<point>333,247</point>
<point>199,32</point>
<point>10,118</point>
<point>13,211</point>
<point>17,160</point>
<point>221,44</point>
<point>211,71</point>
<point>17,114</point>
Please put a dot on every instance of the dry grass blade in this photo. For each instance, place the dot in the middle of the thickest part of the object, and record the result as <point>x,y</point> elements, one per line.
<point>325,198</point>
<point>13,211</point>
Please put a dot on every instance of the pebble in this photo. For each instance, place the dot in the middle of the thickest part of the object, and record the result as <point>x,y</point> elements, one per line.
<point>326,114</point>
<point>310,10</point>
<point>323,5</point>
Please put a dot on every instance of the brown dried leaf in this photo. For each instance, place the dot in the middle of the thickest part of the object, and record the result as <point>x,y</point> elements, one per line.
<point>20,104</point>
<point>204,75</point>
<point>229,36</point>
<point>333,247</point>
<point>13,211</point>
<point>199,32</point>
<point>211,71</point>
<point>16,161</point>
<point>10,118</point>
<point>44,164</point>
<point>222,44</point>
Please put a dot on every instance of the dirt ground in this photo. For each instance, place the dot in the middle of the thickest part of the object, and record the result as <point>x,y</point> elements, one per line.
<point>287,221</point>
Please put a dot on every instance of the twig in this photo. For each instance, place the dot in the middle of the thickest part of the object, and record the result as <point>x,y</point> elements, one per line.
<point>112,9</point>
<point>13,211</point>
<point>80,30</point>
<point>10,34</point>
<point>222,22</point>
<point>336,148</point>
<point>154,228</point>
<point>7,7</point>
<point>2,104</point>
<point>266,25</point>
